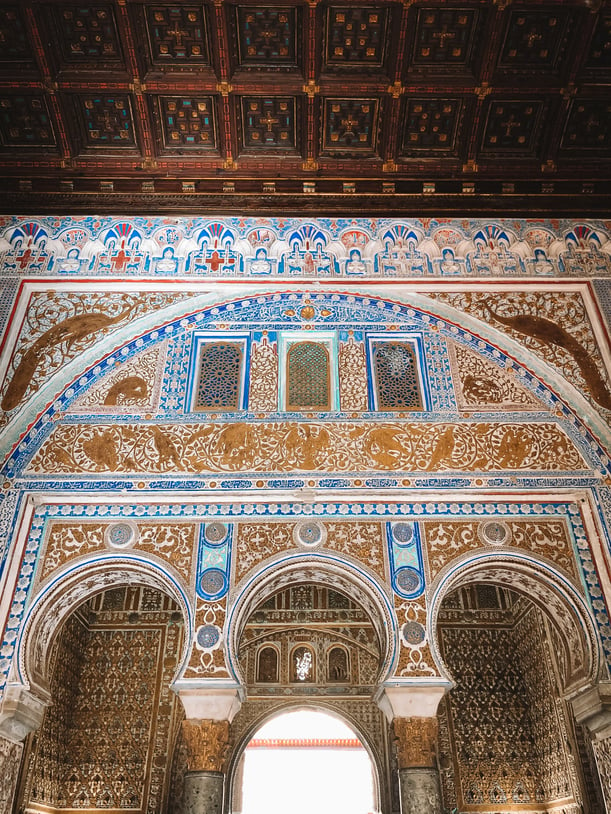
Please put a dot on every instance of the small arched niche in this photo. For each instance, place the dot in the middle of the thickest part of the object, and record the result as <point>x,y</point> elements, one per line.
<point>305,760</point>
<point>107,736</point>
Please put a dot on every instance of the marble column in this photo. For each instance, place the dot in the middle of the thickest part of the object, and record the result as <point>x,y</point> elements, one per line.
<point>592,708</point>
<point>419,789</point>
<point>21,712</point>
<point>207,743</point>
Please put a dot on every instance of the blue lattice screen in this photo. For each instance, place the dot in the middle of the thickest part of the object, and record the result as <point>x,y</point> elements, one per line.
<point>220,369</point>
<point>396,376</point>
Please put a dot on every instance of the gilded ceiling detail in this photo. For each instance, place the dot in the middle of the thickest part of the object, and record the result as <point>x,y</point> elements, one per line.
<point>209,106</point>
<point>305,446</point>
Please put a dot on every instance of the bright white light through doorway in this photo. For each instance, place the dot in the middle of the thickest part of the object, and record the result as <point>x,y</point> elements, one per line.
<point>304,762</point>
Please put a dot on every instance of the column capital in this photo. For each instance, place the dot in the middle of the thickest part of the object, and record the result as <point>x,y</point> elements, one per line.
<point>207,745</point>
<point>209,701</point>
<point>407,700</point>
<point>21,712</point>
<point>416,740</point>
<point>592,708</point>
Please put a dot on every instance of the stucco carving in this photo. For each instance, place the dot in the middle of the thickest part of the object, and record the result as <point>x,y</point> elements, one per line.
<point>207,744</point>
<point>288,447</point>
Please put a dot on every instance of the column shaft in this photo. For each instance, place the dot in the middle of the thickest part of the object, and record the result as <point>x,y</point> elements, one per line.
<point>207,743</point>
<point>419,789</point>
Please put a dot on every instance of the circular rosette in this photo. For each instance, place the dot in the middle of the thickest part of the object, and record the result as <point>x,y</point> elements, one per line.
<point>208,637</point>
<point>494,532</point>
<point>413,633</point>
<point>403,533</point>
<point>408,580</point>
<point>215,533</point>
<point>309,533</point>
<point>213,583</point>
<point>121,535</point>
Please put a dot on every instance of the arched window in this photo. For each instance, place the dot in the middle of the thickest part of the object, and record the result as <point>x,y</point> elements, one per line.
<point>220,370</point>
<point>308,377</point>
<point>395,369</point>
<point>302,665</point>
<point>337,665</point>
<point>267,667</point>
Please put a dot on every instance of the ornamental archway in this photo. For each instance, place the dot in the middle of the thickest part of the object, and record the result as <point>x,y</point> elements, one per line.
<point>313,741</point>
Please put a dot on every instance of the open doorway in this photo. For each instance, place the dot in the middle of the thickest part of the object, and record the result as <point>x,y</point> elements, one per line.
<point>304,761</point>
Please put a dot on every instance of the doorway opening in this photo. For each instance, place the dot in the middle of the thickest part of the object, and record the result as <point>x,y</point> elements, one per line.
<point>303,761</point>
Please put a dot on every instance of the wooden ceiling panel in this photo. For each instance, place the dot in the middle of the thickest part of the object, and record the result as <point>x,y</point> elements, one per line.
<point>177,37</point>
<point>597,65</point>
<point>16,51</point>
<point>82,38</point>
<point>447,40</point>
<point>270,125</point>
<point>588,127</point>
<point>512,128</point>
<point>535,40</point>
<point>185,125</point>
<point>104,121</point>
<point>334,104</point>
<point>266,38</point>
<point>26,122</point>
<point>357,39</point>
<point>433,126</point>
<point>350,127</point>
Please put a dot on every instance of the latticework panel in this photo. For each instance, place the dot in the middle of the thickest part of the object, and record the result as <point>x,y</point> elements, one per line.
<point>308,377</point>
<point>219,376</point>
<point>396,376</point>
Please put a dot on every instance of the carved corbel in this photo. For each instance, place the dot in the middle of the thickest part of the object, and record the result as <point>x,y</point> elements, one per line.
<point>21,712</point>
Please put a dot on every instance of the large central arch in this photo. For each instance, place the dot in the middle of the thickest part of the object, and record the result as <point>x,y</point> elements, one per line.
<point>288,707</point>
<point>350,578</point>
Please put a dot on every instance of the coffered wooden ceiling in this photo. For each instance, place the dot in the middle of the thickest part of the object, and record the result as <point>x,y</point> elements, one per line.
<point>331,107</point>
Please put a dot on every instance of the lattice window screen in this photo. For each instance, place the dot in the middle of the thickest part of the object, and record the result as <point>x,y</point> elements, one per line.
<point>220,370</point>
<point>396,376</point>
<point>308,377</point>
